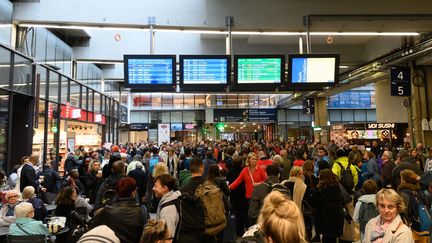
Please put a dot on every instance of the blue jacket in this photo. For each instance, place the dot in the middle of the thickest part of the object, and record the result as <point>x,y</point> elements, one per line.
<point>32,226</point>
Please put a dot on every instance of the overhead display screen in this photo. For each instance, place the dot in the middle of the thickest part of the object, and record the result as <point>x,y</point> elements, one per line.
<point>205,70</point>
<point>145,71</point>
<point>310,69</point>
<point>259,69</point>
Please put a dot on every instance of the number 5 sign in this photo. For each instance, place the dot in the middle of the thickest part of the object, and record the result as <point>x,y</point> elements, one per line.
<point>400,78</point>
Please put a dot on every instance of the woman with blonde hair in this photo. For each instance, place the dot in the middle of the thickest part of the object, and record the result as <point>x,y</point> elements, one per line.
<point>40,211</point>
<point>280,220</point>
<point>388,226</point>
<point>156,231</point>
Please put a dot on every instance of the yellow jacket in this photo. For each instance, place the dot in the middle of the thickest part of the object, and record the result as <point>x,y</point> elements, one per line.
<point>337,169</point>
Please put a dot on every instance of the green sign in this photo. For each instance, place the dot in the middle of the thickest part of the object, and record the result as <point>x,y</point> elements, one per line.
<point>54,129</point>
<point>220,126</point>
<point>259,70</point>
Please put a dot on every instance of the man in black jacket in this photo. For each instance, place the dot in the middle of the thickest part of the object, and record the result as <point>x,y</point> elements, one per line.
<point>125,217</point>
<point>118,170</point>
<point>192,219</point>
<point>406,162</point>
<point>28,175</point>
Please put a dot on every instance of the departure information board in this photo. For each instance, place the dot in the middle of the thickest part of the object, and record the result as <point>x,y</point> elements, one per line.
<point>205,71</point>
<point>313,69</point>
<point>150,71</point>
<point>259,70</point>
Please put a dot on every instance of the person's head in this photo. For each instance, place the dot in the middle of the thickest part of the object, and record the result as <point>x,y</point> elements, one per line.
<point>67,196</point>
<point>24,210</point>
<point>25,159</point>
<point>301,154</point>
<point>251,160</point>
<point>420,147</point>
<point>95,165</point>
<point>126,187</point>
<point>159,169</point>
<point>389,203</point>
<point>280,220</point>
<point>327,178</point>
<point>340,153</point>
<point>28,192</point>
<point>409,176</point>
<point>283,153</point>
<point>137,158</point>
<point>403,154</point>
<point>155,150</point>
<point>188,151</point>
<point>370,187</point>
<point>118,168</point>
<point>196,167</point>
<point>163,184</point>
<point>262,155</point>
<point>387,155</point>
<point>308,167</point>
<point>156,231</point>
<point>12,197</point>
<point>230,150</point>
<point>296,171</point>
<point>34,159</point>
<point>430,152</point>
<point>321,152</point>
<point>368,155</point>
<point>147,155</point>
<point>213,172</point>
<point>277,160</point>
<point>73,175</point>
<point>272,170</point>
<point>171,151</point>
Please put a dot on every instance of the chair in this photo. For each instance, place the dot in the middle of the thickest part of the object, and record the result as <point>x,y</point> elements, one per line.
<point>26,239</point>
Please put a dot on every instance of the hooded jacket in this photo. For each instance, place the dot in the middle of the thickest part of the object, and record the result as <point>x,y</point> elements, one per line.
<point>368,198</point>
<point>169,213</point>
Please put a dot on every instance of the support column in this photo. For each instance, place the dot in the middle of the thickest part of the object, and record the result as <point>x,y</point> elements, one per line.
<point>421,101</point>
<point>320,119</point>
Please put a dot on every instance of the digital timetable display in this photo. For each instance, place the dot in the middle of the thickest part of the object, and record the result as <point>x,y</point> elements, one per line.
<point>205,71</point>
<point>150,71</point>
<point>267,70</point>
<point>318,69</point>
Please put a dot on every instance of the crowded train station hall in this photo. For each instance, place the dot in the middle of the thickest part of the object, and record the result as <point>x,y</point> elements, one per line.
<point>204,121</point>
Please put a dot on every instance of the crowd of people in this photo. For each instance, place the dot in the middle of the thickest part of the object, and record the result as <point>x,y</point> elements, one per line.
<point>242,191</point>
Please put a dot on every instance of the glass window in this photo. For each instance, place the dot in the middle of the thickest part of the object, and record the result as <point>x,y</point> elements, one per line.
<point>200,101</point>
<point>166,117</point>
<point>97,103</point>
<point>347,115</point>
<point>41,74</point>
<point>272,101</point>
<point>293,115</point>
<point>84,98</point>
<point>156,101</point>
<point>209,100</point>
<point>4,118</point>
<point>116,109</point>
<point>64,85</point>
<point>335,116</point>
<point>141,100</point>
<point>243,101</point>
<point>264,101</point>
<point>176,116</point>
<point>167,100</point>
<point>5,61</point>
<point>38,135</point>
<point>281,115</point>
<point>75,90</point>
<point>178,101</point>
<point>53,87</point>
<point>232,101</point>
<point>189,101</point>
<point>53,128</point>
<point>22,78</point>
<point>189,116</point>
<point>221,100</point>
<point>90,100</point>
<point>253,101</point>
<point>371,115</point>
<point>360,115</point>
<point>123,97</point>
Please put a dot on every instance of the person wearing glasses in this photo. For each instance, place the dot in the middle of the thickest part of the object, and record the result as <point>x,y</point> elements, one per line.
<point>388,226</point>
<point>7,210</point>
<point>156,231</point>
<point>25,224</point>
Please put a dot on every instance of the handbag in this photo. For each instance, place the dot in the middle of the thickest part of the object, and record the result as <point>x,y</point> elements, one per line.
<point>349,233</point>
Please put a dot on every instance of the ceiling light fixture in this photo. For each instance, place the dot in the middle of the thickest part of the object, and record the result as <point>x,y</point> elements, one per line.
<point>5,25</point>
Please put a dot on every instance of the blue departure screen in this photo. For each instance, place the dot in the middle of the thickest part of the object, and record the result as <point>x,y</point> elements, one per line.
<point>313,70</point>
<point>205,71</point>
<point>150,71</point>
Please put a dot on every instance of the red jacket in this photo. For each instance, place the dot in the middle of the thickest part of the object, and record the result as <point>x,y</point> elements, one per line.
<point>258,176</point>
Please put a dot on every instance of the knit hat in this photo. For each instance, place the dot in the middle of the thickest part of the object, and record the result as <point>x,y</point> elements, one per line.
<point>101,233</point>
<point>115,148</point>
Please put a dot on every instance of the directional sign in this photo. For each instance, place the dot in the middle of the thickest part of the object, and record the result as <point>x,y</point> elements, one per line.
<point>309,106</point>
<point>400,78</point>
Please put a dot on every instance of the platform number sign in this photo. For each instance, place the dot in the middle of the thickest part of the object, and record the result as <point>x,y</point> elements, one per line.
<point>400,78</point>
<point>309,106</point>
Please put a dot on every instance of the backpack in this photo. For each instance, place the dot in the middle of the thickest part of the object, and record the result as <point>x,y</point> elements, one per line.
<point>346,179</point>
<point>418,213</point>
<point>367,212</point>
<point>280,188</point>
<point>152,162</point>
<point>211,196</point>
<point>189,220</point>
<point>109,194</point>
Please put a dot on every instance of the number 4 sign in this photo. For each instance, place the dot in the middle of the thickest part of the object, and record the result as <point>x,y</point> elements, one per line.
<point>400,78</point>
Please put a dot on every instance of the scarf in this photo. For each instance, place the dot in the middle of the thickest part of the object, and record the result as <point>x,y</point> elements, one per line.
<point>299,190</point>
<point>378,232</point>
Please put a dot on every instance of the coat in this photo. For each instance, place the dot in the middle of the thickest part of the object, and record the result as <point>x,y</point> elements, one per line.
<point>28,177</point>
<point>373,171</point>
<point>124,217</point>
<point>337,169</point>
<point>32,226</point>
<point>259,193</point>
<point>397,231</point>
<point>407,163</point>
<point>329,204</point>
<point>169,213</point>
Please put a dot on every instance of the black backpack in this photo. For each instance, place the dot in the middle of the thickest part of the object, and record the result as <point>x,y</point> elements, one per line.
<point>109,194</point>
<point>191,220</point>
<point>367,212</point>
<point>347,179</point>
